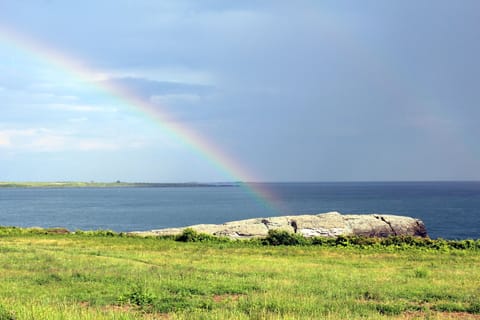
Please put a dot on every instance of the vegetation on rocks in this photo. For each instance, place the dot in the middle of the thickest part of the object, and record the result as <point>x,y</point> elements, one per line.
<point>285,238</point>
<point>47,274</point>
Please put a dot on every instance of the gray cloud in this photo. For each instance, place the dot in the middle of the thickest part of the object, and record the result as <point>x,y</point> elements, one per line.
<point>148,88</point>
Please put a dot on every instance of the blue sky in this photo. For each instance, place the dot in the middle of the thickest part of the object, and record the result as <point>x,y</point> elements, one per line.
<point>292,91</point>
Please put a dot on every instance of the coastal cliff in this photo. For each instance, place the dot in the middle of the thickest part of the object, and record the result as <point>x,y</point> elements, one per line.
<point>331,224</point>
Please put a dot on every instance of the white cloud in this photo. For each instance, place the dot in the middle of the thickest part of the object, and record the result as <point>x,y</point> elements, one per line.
<point>46,140</point>
<point>167,74</point>
<point>10,136</point>
<point>38,139</point>
<point>4,140</point>
<point>81,108</point>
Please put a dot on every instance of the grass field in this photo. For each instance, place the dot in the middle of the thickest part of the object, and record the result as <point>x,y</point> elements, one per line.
<point>65,276</point>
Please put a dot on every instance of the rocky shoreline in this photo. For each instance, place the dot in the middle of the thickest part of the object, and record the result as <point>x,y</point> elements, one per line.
<point>331,224</point>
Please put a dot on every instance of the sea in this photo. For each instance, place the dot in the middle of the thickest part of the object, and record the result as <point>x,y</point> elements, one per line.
<point>450,210</point>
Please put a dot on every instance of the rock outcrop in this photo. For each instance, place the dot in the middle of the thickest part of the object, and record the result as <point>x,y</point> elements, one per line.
<point>331,224</point>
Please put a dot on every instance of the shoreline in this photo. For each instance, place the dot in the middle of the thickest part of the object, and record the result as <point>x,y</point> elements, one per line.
<point>118,184</point>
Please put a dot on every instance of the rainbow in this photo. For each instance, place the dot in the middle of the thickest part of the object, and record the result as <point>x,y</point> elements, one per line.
<point>164,121</point>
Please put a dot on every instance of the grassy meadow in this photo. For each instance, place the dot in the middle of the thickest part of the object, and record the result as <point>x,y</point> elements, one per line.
<point>102,275</point>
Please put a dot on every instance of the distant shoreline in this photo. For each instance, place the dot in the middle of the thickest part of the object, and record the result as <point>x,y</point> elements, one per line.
<point>118,184</point>
<point>122,184</point>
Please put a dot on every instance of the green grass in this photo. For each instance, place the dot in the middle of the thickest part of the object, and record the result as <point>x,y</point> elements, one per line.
<point>102,275</point>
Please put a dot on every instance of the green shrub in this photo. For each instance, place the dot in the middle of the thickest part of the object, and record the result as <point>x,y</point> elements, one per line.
<point>462,244</point>
<point>280,237</point>
<point>323,241</point>
<point>57,231</point>
<point>190,235</point>
<point>342,241</point>
<point>97,233</point>
<point>140,297</point>
<point>363,241</point>
<point>285,238</point>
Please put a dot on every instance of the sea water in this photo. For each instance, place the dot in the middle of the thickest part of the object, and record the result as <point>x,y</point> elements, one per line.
<point>450,210</point>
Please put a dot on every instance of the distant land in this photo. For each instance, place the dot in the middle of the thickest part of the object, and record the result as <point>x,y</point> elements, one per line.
<point>117,184</point>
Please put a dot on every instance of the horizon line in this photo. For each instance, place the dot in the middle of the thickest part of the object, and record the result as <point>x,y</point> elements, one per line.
<point>238,182</point>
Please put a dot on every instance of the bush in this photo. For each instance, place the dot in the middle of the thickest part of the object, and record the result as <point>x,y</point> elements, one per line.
<point>190,235</point>
<point>363,241</point>
<point>97,233</point>
<point>57,231</point>
<point>285,238</point>
<point>462,244</point>
<point>323,241</point>
<point>276,237</point>
<point>342,241</point>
